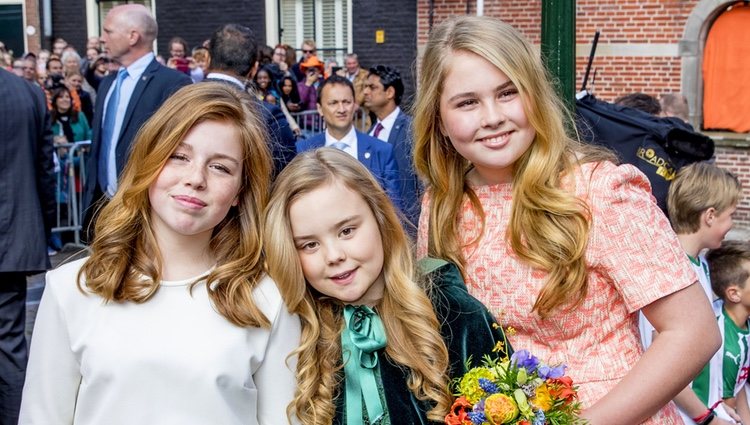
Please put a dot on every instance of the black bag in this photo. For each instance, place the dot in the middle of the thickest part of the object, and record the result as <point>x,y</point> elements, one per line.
<point>657,146</point>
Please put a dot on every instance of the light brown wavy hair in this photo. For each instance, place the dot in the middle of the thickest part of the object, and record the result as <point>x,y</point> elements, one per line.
<point>124,249</point>
<point>412,329</point>
<point>696,188</point>
<point>549,225</point>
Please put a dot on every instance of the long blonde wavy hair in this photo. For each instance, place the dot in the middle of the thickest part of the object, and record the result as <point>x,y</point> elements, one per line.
<point>549,225</point>
<point>412,328</point>
<point>124,249</point>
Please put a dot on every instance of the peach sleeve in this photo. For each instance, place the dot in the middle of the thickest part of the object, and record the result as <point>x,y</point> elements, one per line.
<point>632,243</point>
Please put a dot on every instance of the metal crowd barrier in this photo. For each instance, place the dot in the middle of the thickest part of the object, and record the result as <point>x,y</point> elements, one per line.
<point>70,170</point>
<point>311,123</point>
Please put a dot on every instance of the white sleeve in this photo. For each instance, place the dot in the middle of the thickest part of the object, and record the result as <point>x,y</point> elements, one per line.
<point>276,378</point>
<point>53,373</point>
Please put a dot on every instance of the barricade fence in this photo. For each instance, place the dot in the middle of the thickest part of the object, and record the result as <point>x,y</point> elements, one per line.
<point>311,123</point>
<point>70,171</point>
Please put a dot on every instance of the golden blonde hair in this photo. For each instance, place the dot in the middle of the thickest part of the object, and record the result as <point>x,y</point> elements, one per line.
<point>696,188</point>
<point>124,249</point>
<point>412,328</point>
<point>549,226</point>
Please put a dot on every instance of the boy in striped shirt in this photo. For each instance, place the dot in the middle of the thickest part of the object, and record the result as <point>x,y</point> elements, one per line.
<point>723,380</point>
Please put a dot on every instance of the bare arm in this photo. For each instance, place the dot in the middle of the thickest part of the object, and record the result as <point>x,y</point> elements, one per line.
<point>688,337</point>
<point>742,407</point>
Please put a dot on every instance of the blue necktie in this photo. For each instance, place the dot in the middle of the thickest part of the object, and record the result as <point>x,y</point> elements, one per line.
<point>108,130</point>
<point>340,145</point>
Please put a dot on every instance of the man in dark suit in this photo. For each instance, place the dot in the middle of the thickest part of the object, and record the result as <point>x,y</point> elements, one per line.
<point>382,96</point>
<point>233,60</point>
<point>27,214</point>
<point>126,99</point>
<point>336,105</point>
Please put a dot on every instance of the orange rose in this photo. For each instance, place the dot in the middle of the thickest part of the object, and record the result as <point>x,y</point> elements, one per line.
<point>562,389</point>
<point>459,412</point>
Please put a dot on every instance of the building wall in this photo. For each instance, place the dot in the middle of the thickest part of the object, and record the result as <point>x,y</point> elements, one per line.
<point>398,19</point>
<point>639,50</point>
<point>196,22</point>
<point>737,160</point>
<point>69,22</point>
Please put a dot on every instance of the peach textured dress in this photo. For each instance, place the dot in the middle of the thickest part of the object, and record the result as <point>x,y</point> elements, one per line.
<point>634,259</point>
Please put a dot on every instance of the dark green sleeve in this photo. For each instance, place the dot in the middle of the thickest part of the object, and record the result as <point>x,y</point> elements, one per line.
<point>467,326</point>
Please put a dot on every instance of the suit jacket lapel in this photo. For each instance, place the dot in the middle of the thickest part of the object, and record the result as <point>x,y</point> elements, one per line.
<point>395,135</point>
<point>364,151</point>
<point>140,87</point>
<point>104,87</point>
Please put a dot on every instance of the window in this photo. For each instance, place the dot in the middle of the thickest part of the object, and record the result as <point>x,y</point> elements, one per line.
<point>96,11</point>
<point>328,22</point>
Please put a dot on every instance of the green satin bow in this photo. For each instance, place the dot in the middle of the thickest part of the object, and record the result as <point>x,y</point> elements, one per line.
<point>362,336</point>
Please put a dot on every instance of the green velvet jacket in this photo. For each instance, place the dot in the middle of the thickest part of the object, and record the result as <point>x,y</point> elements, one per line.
<point>466,327</point>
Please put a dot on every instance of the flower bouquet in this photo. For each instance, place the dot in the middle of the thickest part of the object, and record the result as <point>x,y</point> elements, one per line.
<point>517,391</point>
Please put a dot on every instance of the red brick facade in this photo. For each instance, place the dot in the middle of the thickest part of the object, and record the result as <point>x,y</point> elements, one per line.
<point>34,42</point>
<point>638,51</point>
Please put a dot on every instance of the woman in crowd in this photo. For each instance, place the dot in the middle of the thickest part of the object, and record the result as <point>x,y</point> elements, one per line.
<point>289,94</point>
<point>264,86</point>
<point>558,242</point>
<point>172,318</point>
<point>68,125</point>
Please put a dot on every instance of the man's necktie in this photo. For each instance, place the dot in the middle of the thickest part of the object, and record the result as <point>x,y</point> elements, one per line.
<point>108,130</point>
<point>378,129</point>
<point>340,145</point>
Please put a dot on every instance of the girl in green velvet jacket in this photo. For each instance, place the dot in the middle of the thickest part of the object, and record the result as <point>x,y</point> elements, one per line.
<point>376,348</point>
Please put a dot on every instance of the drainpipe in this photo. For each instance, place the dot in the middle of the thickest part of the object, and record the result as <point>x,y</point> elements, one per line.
<point>559,45</point>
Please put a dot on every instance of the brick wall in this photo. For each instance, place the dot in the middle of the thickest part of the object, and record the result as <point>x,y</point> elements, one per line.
<point>649,29</point>
<point>399,21</point>
<point>737,160</point>
<point>196,22</point>
<point>33,42</point>
<point>69,22</point>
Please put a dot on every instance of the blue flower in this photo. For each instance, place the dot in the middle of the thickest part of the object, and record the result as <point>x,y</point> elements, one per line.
<point>477,415</point>
<point>488,386</point>
<point>546,372</point>
<point>477,418</point>
<point>539,418</point>
<point>524,359</point>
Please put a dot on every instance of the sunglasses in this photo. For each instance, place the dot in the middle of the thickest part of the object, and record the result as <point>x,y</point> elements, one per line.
<point>308,51</point>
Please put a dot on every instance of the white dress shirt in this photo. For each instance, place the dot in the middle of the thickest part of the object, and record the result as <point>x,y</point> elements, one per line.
<point>350,139</point>
<point>387,124</point>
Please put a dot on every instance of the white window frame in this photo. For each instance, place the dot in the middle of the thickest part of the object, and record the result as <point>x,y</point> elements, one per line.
<point>273,17</point>
<point>25,24</point>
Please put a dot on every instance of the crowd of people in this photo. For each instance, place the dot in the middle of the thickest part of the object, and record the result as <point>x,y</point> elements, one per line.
<point>245,269</point>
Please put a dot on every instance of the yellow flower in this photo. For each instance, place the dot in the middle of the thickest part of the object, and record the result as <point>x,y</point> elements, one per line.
<point>500,409</point>
<point>510,330</point>
<point>542,399</point>
<point>469,385</point>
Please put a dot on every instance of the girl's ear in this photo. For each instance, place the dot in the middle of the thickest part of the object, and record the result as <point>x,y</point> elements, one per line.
<point>236,201</point>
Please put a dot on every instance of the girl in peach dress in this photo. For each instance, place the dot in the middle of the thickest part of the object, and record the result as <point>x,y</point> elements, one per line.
<point>561,244</point>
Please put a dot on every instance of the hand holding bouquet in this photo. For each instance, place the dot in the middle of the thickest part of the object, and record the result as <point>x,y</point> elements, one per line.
<point>516,391</point>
